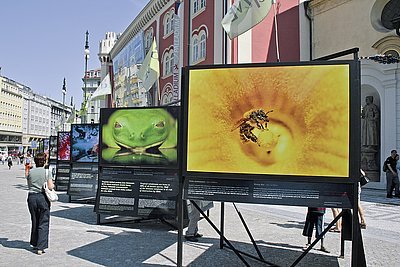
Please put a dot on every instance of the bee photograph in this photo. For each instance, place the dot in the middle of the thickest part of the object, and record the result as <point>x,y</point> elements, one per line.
<point>278,120</point>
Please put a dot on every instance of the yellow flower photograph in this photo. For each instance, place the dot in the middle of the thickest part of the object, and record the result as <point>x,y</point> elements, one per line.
<point>276,120</point>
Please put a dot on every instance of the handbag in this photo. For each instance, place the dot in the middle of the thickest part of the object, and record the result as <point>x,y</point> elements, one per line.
<point>50,194</point>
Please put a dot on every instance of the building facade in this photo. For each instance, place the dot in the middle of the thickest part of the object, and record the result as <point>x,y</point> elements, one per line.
<point>26,118</point>
<point>59,117</point>
<point>90,83</point>
<point>11,103</point>
<point>284,37</point>
<point>36,117</point>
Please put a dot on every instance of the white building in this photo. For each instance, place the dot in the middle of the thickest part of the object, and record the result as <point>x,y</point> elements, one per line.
<point>36,117</point>
<point>338,25</point>
<point>90,83</point>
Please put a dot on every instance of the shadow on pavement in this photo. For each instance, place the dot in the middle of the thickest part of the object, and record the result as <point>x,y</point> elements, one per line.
<point>290,224</point>
<point>83,214</point>
<point>127,248</point>
<point>133,248</point>
<point>15,244</point>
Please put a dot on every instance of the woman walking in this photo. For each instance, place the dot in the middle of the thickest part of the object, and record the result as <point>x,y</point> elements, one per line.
<point>39,205</point>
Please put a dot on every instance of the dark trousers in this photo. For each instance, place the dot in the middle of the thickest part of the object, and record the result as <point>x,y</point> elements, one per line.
<point>39,208</point>
<point>313,219</point>
<point>392,182</point>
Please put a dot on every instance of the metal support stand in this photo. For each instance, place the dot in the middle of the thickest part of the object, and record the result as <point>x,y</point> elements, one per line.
<point>249,233</point>
<point>220,234</point>
<point>222,226</point>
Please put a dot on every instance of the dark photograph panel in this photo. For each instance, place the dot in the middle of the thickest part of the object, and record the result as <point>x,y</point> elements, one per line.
<point>85,143</point>
<point>134,137</point>
<point>53,147</point>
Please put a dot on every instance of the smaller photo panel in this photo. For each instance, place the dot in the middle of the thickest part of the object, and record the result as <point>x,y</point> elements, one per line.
<point>85,143</point>
<point>53,147</point>
<point>63,146</point>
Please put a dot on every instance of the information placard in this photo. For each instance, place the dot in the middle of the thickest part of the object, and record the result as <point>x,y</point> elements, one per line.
<point>83,180</point>
<point>271,192</point>
<point>62,176</point>
<point>137,192</point>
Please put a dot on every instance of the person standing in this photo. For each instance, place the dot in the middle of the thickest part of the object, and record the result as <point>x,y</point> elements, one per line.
<point>392,178</point>
<point>28,163</point>
<point>39,205</point>
<point>9,162</point>
<point>315,217</point>
<point>192,233</point>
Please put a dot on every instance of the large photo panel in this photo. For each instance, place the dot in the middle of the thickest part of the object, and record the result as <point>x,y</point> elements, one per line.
<point>277,120</point>
<point>139,137</point>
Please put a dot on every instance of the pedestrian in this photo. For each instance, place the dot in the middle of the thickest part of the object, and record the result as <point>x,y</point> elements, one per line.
<point>21,158</point>
<point>192,232</point>
<point>9,162</point>
<point>392,178</point>
<point>315,217</point>
<point>338,225</point>
<point>39,205</point>
<point>28,163</point>
<point>363,224</point>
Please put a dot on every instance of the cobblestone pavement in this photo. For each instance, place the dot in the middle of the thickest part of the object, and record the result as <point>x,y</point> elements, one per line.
<point>76,239</point>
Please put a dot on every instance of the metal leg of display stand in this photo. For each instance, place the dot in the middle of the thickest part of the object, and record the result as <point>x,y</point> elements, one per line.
<point>249,233</point>
<point>98,219</point>
<point>179,258</point>
<point>317,239</point>
<point>221,240</point>
<point>220,234</point>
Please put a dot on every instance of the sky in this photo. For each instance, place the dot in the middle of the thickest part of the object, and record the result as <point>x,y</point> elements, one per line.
<point>42,41</point>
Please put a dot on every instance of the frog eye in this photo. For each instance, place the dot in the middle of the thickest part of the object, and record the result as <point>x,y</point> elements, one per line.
<point>117,125</point>
<point>160,124</point>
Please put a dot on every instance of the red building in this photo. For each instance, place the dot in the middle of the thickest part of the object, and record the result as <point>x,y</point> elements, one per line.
<point>284,36</point>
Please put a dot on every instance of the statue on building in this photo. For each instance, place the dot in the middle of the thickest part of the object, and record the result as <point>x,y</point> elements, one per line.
<point>370,124</point>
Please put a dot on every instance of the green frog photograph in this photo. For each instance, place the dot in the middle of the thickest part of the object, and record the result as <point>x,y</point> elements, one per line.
<point>136,137</point>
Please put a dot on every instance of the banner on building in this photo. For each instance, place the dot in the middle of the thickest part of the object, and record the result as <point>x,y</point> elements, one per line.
<point>150,70</point>
<point>103,89</point>
<point>244,15</point>
<point>176,70</point>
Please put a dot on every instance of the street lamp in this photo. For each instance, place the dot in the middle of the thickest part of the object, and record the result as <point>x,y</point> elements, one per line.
<point>87,54</point>
<point>64,91</point>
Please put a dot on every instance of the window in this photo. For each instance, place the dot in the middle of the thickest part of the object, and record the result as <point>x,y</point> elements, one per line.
<point>166,64</point>
<point>202,4</point>
<point>148,38</point>
<point>195,52</point>
<point>203,46</point>
<point>167,25</point>
<point>195,6</point>
<point>171,62</point>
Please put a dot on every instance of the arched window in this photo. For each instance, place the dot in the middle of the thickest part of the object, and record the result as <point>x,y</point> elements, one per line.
<point>203,46</point>
<point>171,62</point>
<point>167,24</point>
<point>195,50</point>
<point>166,64</point>
<point>172,22</point>
<point>148,39</point>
